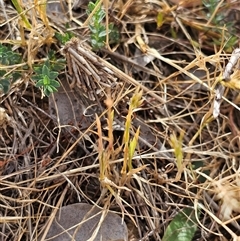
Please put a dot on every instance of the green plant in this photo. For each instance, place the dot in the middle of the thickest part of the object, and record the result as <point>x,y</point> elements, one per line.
<point>46,79</point>
<point>217,18</point>
<point>47,72</point>
<point>55,64</point>
<point>64,37</point>
<point>130,145</point>
<point>211,5</point>
<point>109,177</point>
<point>8,58</point>
<point>98,28</point>
<point>182,227</point>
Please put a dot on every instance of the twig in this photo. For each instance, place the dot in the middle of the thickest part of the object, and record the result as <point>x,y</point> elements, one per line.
<point>226,77</point>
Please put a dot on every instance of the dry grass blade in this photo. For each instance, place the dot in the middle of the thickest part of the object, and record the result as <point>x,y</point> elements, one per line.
<point>85,64</point>
<point>87,71</point>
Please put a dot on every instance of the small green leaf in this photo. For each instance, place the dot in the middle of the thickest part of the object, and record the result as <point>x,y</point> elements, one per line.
<point>176,144</point>
<point>16,76</point>
<point>103,33</point>
<point>182,227</point>
<point>38,69</point>
<point>58,65</point>
<point>101,15</point>
<point>54,89</point>
<point>45,70</point>
<point>50,88</point>
<point>47,92</point>
<point>53,75</point>
<point>5,85</point>
<point>55,83</point>
<point>37,77</point>
<point>40,83</point>
<point>8,57</point>
<point>46,80</point>
<point>93,29</point>
<point>132,146</point>
<point>91,6</point>
<point>98,28</point>
<point>63,38</point>
<point>2,72</point>
<point>160,19</point>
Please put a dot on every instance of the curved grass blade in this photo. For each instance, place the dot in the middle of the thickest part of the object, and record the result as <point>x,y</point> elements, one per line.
<point>20,11</point>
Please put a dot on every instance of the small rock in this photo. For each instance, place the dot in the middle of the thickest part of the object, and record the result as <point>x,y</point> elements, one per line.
<point>68,218</point>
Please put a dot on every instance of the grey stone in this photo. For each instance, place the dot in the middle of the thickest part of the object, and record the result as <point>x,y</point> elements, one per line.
<point>112,228</point>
